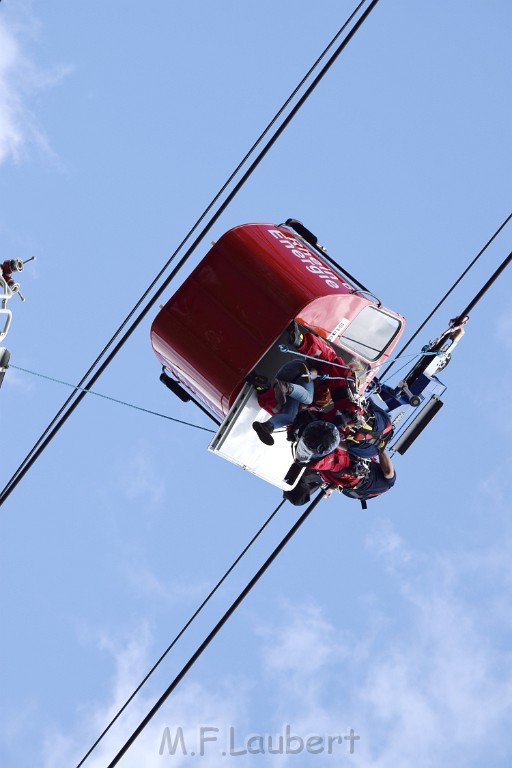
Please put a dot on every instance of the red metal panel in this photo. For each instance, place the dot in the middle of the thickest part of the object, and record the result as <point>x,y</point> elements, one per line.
<point>254,281</point>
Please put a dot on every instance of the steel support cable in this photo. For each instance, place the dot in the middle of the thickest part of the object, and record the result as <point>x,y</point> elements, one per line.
<point>180,634</point>
<point>59,421</point>
<point>474,301</point>
<point>193,229</point>
<point>206,642</point>
<point>455,284</point>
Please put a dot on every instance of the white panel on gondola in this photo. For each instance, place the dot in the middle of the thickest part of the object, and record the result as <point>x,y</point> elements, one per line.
<point>237,442</point>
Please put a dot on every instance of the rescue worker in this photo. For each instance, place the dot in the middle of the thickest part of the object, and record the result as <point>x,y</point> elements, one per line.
<point>341,372</point>
<point>316,440</point>
<point>366,428</point>
<point>297,382</point>
<point>293,386</point>
<point>361,479</point>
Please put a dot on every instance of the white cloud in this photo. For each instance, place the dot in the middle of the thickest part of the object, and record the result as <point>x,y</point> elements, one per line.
<point>11,132</point>
<point>190,707</point>
<point>145,581</point>
<point>139,478</point>
<point>437,696</point>
<point>17,381</point>
<point>300,656</point>
<point>503,331</point>
<point>388,545</point>
<point>438,692</point>
<point>19,78</point>
<point>428,683</point>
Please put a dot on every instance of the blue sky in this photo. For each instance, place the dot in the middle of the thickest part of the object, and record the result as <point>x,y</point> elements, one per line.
<point>118,123</point>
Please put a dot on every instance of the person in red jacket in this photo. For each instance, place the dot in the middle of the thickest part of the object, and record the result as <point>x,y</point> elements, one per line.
<point>328,363</point>
<point>366,428</point>
<point>297,382</point>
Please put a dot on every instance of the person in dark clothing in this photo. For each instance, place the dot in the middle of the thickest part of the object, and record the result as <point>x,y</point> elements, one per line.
<point>364,479</point>
<point>365,428</point>
<point>359,479</point>
<point>301,494</point>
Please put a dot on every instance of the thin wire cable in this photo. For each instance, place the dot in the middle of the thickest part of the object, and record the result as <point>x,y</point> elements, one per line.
<point>206,642</point>
<point>180,633</point>
<point>60,421</point>
<point>407,362</point>
<point>286,350</point>
<point>112,399</point>
<point>455,284</point>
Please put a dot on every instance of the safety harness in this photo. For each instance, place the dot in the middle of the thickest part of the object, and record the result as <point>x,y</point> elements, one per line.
<point>361,424</point>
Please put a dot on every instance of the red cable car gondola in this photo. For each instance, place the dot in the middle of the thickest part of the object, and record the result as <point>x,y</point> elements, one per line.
<point>228,323</point>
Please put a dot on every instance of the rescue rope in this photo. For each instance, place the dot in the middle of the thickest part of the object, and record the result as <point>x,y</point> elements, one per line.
<point>407,363</point>
<point>181,632</point>
<point>108,397</point>
<point>283,348</point>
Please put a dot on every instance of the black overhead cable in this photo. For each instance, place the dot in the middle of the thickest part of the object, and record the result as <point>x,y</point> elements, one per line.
<point>195,226</point>
<point>232,608</point>
<point>455,284</point>
<point>64,414</point>
<point>179,635</point>
<point>474,301</point>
